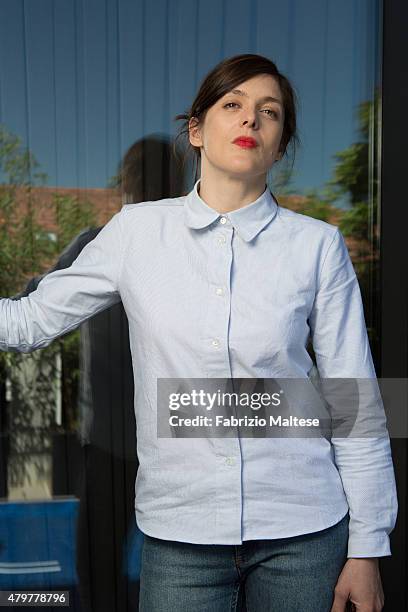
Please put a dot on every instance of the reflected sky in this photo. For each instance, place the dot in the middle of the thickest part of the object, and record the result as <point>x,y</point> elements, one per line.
<point>80,80</point>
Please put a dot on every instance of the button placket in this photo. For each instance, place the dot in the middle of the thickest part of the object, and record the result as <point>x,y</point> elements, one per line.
<point>219,262</point>
<point>228,474</point>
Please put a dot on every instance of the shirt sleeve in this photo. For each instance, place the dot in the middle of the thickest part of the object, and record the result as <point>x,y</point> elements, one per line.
<point>65,298</point>
<point>68,255</point>
<point>342,350</point>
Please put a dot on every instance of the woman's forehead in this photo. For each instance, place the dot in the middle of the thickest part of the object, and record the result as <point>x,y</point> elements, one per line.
<point>267,87</point>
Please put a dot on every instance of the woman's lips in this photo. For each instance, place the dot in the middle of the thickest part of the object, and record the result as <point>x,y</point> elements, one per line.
<point>246,144</point>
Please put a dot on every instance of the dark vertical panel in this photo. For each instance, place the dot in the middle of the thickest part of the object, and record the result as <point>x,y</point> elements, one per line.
<point>113,149</point>
<point>123,443</point>
<point>274,37</point>
<point>394,212</point>
<point>155,82</point>
<point>39,66</point>
<point>25,77</point>
<point>253,27</point>
<point>166,75</point>
<point>236,30</point>
<point>166,95</point>
<point>174,34</point>
<point>54,90</point>
<point>13,74</point>
<point>372,84</point>
<point>325,53</point>
<point>118,73</point>
<point>95,43</point>
<point>312,73</point>
<point>188,48</point>
<point>131,84</point>
<point>99,492</point>
<point>65,30</point>
<point>394,267</point>
<point>81,123</point>
<point>155,65</point>
<point>199,46</point>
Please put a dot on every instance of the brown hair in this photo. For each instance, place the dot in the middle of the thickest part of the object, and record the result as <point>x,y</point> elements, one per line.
<point>225,76</point>
<point>148,171</point>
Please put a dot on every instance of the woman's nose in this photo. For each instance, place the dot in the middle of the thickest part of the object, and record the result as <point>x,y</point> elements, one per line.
<point>250,118</point>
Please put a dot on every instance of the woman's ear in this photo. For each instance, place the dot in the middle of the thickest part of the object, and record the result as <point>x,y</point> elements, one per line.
<point>194,132</point>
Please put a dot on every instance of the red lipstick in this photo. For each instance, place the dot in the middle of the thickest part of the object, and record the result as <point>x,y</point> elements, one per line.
<point>246,142</point>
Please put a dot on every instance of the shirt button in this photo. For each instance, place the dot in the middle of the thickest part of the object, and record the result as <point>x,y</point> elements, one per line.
<point>223,220</point>
<point>230,461</point>
<point>215,342</point>
<point>221,239</point>
<point>219,291</point>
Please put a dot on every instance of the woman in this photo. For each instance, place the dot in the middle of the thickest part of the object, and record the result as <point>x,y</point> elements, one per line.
<point>224,283</point>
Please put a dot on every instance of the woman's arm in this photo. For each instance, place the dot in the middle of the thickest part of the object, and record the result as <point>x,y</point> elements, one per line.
<point>342,350</point>
<point>67,258</point>
<point>65,298</point>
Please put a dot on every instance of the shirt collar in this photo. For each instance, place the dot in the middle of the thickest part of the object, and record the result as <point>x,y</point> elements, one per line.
<point>248,220</point>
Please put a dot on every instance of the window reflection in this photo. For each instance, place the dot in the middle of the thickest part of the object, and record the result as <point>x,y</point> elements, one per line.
<point>67,432</point>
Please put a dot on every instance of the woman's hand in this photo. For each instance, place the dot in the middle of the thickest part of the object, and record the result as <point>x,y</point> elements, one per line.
<point>360,584</point>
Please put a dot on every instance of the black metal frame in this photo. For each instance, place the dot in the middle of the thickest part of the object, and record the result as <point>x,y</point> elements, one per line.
<point>394,268</point>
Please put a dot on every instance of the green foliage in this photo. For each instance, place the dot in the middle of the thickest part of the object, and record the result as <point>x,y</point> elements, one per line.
<point>317,207</point>
<point>27,250</point>
<point>70,347</point>
<point>356,169</point>
<point>357,173</point>
<point>18,165</point>
<point>282,179</point>
<point>351,172</point>
<point>354,222</point>
<point>73,216</point>
<point>318,210</point>
<point>24,244</point>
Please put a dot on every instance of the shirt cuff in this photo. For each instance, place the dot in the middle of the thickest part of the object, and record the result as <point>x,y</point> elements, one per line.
<point>369,547</point>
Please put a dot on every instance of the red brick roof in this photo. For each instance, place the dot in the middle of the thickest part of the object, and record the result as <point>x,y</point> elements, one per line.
<point>108,201</point>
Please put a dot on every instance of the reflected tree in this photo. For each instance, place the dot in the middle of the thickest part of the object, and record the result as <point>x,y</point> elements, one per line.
<point>355,175</point>
<point>38,390</point>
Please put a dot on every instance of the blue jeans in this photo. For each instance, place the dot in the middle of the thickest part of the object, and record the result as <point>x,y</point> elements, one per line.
<point>296,574</point>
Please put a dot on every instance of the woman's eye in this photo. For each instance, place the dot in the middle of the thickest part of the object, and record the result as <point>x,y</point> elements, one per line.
<point>273,112</point>
<point>270,111</point>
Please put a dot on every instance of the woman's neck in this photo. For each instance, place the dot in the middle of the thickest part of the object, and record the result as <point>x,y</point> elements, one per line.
<point>229,195</point>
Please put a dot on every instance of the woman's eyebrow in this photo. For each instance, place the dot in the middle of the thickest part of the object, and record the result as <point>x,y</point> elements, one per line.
<point>239,92</point>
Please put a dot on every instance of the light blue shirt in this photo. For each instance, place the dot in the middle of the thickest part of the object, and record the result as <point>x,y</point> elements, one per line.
<point>230,295</point>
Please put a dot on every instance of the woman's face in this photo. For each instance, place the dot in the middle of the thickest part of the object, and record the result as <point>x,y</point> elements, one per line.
<point>251,113</point>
